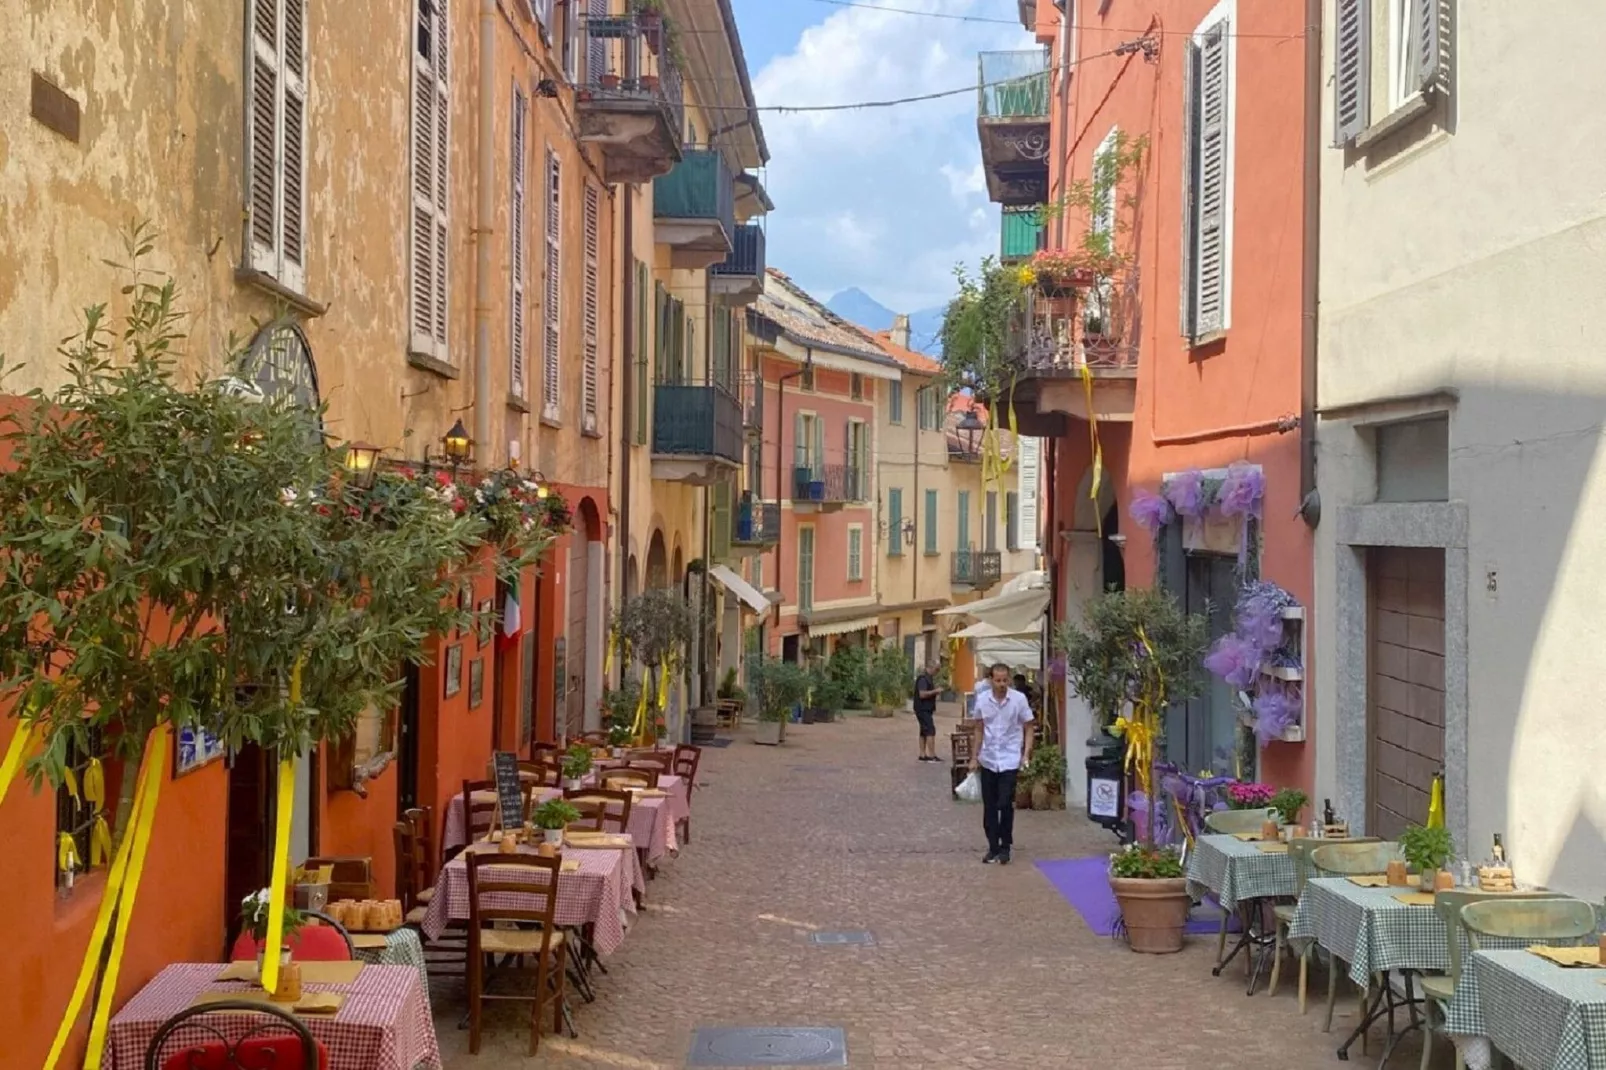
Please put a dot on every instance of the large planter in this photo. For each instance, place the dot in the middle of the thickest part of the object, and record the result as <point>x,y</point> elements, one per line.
<point>768,733</point>
<point>824,716</point>
<point>1154,911</point>
<point>883,711</point>
<point>810,714</point>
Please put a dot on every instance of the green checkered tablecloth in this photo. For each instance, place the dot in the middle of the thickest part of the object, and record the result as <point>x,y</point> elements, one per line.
<point>1369,928</point>
<point>1538,1014</point>
<point>1237,871</point>
<point>402,948</point>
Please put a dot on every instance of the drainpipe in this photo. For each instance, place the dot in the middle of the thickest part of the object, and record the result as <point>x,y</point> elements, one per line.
<point>914,590</point>
<point>1310,288</point>
<point>482,230</point>
<point>780,436</point>
<point>627,426</point>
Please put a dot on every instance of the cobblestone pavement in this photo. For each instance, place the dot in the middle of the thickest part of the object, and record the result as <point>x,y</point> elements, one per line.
<point>973,966</point>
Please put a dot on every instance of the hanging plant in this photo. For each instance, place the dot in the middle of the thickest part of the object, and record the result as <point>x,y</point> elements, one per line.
<point>982,330</point>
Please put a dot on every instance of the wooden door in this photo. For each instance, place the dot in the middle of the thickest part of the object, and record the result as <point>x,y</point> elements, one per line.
<point>575,632</point>
<point>407,744</point>
<point>1405,685</point>
<point>250,806</point>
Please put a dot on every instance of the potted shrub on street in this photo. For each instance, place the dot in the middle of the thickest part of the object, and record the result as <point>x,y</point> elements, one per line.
<point>552,817</point>
<point>658,626</point>
<point>1427,850</point>
<point>775,686</point>
<point>1135,653</point>
<point>576,764</point>
<point>888,680</point>
<point>827,697</point>
<point>1045,777</point>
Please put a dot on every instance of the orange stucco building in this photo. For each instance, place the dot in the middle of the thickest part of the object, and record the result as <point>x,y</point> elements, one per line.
<point>1174,133</point>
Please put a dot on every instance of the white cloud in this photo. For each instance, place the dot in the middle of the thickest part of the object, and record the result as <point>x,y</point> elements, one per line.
<point>886,199</point>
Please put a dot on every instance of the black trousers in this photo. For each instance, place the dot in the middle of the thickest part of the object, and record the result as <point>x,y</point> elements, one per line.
<point>998,807</point>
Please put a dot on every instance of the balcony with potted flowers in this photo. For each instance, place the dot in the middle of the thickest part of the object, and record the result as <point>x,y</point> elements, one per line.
<point>756,526</point>
<point>630,100</point>
<point>817,486</point>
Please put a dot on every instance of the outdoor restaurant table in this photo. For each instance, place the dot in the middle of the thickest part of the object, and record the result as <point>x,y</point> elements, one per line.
<point>402,948</point>
<point>1369,928</point>
<point>598,894</point>
<point>652,820</point>
<point>385,1023</point>
<point>1237,871</point>
<point>1538,1014</point>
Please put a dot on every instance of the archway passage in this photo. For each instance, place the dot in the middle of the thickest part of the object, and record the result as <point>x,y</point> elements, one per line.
<point>657,563</point>
<point>583,621</point>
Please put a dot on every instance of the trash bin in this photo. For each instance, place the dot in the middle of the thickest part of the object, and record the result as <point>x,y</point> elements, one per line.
<point>1106,783</point>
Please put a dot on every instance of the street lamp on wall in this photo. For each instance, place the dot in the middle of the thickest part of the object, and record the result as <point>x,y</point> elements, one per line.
<point>457,444</point>
<point>970,426</point>
<point>362,463</point>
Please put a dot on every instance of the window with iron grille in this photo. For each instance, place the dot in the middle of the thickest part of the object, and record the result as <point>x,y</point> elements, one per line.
<point>75,814</point>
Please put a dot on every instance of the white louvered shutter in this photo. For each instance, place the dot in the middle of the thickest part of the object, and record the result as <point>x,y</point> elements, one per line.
<point>262,136</point>
<point>596,47</point>
<point>293,137</point>
<point>1352,70</point>
<point>1425,40</point>
<point>1188,316</point>
<point>551,313</point>
<point>593,241</point>
<point>517,346</point>
<point>428,284</point>
<point>800,443</point>
<point>1211,252</point>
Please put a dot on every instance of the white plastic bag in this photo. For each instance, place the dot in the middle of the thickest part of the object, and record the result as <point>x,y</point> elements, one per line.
<point>969,789</point>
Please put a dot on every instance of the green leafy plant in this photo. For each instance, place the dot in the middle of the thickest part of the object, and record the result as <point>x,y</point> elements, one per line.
<point>983,329</point>
<point>255,914</point>
<point>554,814</point>
<point>889,677</point>
<point>1426,849</point>
<point>776,686</point>
<point>619,705</point>
<point>197,557</point>
<point>658,625</point>
<point>825,691</point>
<point>576,761</point>
<point>1106,203</point>
<point>620,736</point>
<point>1047,767</point>
<point>848,665</point>
<point>729,688</point>
<point>1146,862</point>
<point>1289,802</point>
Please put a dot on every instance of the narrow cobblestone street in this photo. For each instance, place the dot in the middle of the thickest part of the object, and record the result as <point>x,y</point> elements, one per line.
<point>972,966</point>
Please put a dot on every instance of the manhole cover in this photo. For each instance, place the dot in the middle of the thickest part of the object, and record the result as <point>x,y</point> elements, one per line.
<point>768,1047</point>
<point>847,936</point>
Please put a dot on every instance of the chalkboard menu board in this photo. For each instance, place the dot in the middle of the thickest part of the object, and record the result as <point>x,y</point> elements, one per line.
<point>509,790</point>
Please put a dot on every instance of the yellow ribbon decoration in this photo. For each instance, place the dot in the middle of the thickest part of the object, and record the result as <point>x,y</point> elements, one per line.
<point>108,905</point>
<point>1096,449</point>
<point>67,853</point>
<point>69,780</point>
<point>14,752</point>
<point>141,835</point>
<point>663,685</point>
<point>639,726</point>
<point>1436,803</point>
<point>100,841</point>
<point>281,863</point>
<point>95,784</point>
<point>607,656</point>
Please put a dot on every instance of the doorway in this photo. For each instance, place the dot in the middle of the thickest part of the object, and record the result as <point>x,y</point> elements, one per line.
<point>1210,735</point>
<point>1405,685</point>
<point>407,742</point>
<point>253,806</point>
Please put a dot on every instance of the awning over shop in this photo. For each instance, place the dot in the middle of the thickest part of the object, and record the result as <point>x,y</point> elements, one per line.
<point>739,587</point>
<point>1015,613</point>
<point>841,627</point>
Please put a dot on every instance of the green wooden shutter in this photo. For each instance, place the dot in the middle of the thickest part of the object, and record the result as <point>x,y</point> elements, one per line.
<point>720,542</point>
<point>931,521</point>
<point>964,521</point>
<point>989,539</point>
<point>895,522</point>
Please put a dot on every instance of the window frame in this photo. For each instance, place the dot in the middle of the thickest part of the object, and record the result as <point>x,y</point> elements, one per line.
<point>932,544</point>
<point>895,401</point>
<point>552,278</point>
<point>76,815</point>
<point>429,330</point>
<point>855,562</point>
<point>806,605</point>
<point>1194,326</point>
<point>894,521</point>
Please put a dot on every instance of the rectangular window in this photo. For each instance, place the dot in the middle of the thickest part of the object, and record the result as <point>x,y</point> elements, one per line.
<point>807,433</point>
<point>963,542</point>
<point>930,403</point>
<point>989,535</point>
<point>805,570</point>
<point>895,402</point>
<point>275,137</point>
<point>552,310</point>
<point>592,314</point>
<point>643,348</point>
<point>806,380</point>
<point>516,338</point>
<point>758,572</point>
<point>856,386</point>
<point>1207,184</point>
<point>895,522</point>
<point>76,815</point>
<point>431,255</point>
<point>931,521</point>
<point>858,462</point>
<point>1011,520</point>
<point>855,553</point>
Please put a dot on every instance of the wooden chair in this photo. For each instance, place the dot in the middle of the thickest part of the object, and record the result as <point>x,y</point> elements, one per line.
<point>538,751</point>
<point>277,1038</point>
<point>728,713</point>
<point>422,820</point>
<point>543,771</point>
<point>1299,850</point>
<point>414,871</point>
<point>321,939</point>
<point>353,876</point>
<point>607,811</point>
<point>616,779</point>
<point>687,760</point>
<point>1437,989</point>
<point>661,760</point>
<point>491,878</point>
<point>1229,822</point>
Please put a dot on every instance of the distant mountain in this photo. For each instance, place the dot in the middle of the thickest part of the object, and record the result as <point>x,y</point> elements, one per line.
<point>925,325</point>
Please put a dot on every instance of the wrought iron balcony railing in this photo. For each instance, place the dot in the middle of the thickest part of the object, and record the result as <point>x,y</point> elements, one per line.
<point>758,523</point>
<point>626,72</point>
<point>976,568</point>
<point>834,483</point>
<point>747,253</point>
<point>696,420</point>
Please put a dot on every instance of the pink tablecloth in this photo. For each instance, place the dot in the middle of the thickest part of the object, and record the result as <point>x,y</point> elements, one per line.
<point>599,894</point>
<point>652,823</point>
<point>385,1023</point>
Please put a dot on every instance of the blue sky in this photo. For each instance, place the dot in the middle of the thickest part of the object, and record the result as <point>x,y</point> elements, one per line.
<point>887,200</point>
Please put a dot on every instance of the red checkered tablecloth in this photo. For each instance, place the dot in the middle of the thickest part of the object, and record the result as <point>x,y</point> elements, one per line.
<point>652,820</point>
<point>385,1023</point>
<point>598,894</point>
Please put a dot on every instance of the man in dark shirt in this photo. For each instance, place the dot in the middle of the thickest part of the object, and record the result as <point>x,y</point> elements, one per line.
<point>926,692</point>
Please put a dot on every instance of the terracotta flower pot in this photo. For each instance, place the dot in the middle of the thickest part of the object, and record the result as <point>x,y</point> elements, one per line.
<point>1155,912</point>
<point>1040,796</point>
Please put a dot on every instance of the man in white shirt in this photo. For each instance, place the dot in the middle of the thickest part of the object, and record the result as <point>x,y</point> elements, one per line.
<point>1001,719</point>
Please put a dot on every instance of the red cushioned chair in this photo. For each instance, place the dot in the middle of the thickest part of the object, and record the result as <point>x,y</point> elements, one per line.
<point>276,1040</point>
<point>325,941</point>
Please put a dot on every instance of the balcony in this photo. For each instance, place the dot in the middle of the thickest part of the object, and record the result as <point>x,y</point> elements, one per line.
<point>975,570</point>
<point>753,404</point>
<point>696,433</point>
<point>629,101</point>
<point>1012,123</point>
<point>1021,234</point>
<point>827,487</point>
<point>757,526</point>
<point>739,278</point>
<point>694,210</point>
<point>1092,327</point>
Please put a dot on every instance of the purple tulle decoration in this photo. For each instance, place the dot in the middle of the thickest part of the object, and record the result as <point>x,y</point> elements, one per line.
<point>1276,710</point>
<point>1259,614</point>
<point>1234,659</point>
<point>1185,492</point>
<point>1150,511</point>
<point>1242,490</point>
<point>1056,669</point>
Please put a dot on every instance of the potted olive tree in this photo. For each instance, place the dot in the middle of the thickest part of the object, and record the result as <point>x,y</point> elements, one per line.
<point>658,625</point>
<point>1133,655</point>
<point>888,680</point>
<point>775,686</point>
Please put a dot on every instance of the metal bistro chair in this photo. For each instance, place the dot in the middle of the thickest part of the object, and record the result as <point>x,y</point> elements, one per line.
<point>278,1039</point>
<point>1350,858</point>
<point>325,941</point>
<point>494,878</point>
<point>1299,852</point>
